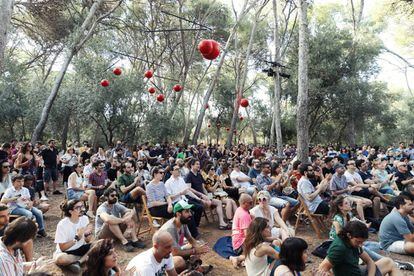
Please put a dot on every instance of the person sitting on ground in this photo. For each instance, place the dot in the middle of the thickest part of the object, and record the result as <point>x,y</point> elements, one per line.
<point>264,210</point>
<point>285,203</point>
<point>311,194</point>
<point>345,252</point>
<point>73,237</point>
<point>292,257</point>
<point>178,229</point>
<point>197,184</point>
<point>128,186</point>
<point>77,190</point>
<point>158,200</point>
<point>18,235</point>
<point>241,222</point>
<point>113,219</point>
<point>157,260</point>
<point>213,186</point>
<point>4,221</point>
<point>403,176</point>
<point>102,259</point>
<point>242,181</point>
<point>98,179</point>
<point>339,186</point>
<point>39,204</point>
<point>17,199</point>
<point>257,249</point>
<point>396,232</point>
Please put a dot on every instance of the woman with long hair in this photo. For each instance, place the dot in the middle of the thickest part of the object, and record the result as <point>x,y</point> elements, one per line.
<point>227,184</point>
<point>102,260</point>
<point>26,160</point>
<point>293,257</point>
<point>68,160</point>
<point>256,250</point>
<point>5,176</point>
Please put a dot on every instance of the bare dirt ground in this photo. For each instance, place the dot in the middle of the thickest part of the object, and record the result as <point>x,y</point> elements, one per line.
<point>210,234</point>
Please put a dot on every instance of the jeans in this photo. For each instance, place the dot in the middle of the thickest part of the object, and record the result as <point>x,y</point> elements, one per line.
<point>387,190</point>
<point>372,248</point>
<point>30,213</point>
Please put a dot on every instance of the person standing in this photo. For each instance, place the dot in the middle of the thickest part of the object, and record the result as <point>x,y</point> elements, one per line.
<point>50,160</point>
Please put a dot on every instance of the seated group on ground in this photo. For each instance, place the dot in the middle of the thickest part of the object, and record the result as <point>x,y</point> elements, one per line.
<point>254,193</point>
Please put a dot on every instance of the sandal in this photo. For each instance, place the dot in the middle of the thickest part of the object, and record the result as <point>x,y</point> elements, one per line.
<point>227,227</point>
<point>205,269</point>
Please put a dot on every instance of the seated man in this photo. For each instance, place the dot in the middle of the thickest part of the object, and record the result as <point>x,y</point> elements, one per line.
<point>339,186</point>
<point>345,252</point>
<point>129,186</point>
<point>18,200</point>
<point>28,183</point>
<point>403,176</point>
<point>4,221</point>
<point>177,228</point>
<point>396,232</point>
<point>278,200</point>
<point>113,219</point>
<point>242,181</point>
<point>158,259</point>
<point>367,178</point>
<point>98,179</point>
<point>311,194</point>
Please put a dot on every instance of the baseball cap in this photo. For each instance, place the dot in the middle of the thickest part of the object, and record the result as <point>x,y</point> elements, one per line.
<point>338,165</point>
<point>181,205</point>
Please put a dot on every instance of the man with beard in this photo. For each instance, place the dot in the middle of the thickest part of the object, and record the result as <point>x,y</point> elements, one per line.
<point>128,186</point>
<point>50,159</point>
<point>311,194</point>
<point>156,260</point>
<point>178,229</point>
<point>113,220</point>
<point>143,172</point>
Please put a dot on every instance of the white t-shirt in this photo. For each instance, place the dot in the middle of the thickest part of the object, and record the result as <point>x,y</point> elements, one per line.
<point>257,213</point>
<point>175,186</point>
<point>72,158</point>
<point>234,175</point>
<point>355,177</point>
<point>66,231</point>
<point>146,264</point>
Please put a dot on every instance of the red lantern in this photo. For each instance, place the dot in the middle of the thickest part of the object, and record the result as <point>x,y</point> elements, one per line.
<point>206,106</point>
<point>105,83</point>
<point>151,90</point>
<point>177,88</point>
<point>160,98</point>
<point>228,129</point>
<point>209,126</point>
<point>117,71</point>
<point>209,49</point>
<point>244,102</point>
<point>148,74</point>
<point>235,131</point>
<point>241,118</point>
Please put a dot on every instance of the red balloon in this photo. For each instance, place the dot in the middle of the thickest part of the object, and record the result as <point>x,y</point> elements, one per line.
<point>209,126</point>
<point>177,88</point>
<point>117,71</point>
<point>241,118</point>
<point>209,49</point>
<point>148,74</point>
<point>160,98</point>
<point>105,83</point>
<point>244,102</point>
<point>228,129</point>
<point>151,90</point>
<point>234,131</point>
<point>206,106</point>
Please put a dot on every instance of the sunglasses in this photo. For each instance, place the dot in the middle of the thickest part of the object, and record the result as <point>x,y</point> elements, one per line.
<point>6,166</point>
<point>161,172</point>
<point>112,196</point>
<point>212,169</point>
<point>262,199</point>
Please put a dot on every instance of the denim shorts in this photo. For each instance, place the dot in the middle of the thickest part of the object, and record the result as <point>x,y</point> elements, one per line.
<point>72,194</point>
<point>280,202</point>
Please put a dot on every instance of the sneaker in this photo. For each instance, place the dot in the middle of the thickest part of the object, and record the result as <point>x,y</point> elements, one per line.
<point>128,247</point>
<point>44,198</point>
<point>138,244</point>
<point>404,265</point>
<point>90,214</point>
<point>155,224</point>
<point>74,268</point>
<point>57,192</point>
<point>42,233</point>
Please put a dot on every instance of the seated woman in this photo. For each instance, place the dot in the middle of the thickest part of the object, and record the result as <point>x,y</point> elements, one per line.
<point>158,200</point>
<point>227,184</point>
<point>102,260</point>
<point>293,257</point>
<point>257,250</point>
<point>387,181</point>
<point>212,185</point>
<point>264,210</point>
<point>77,190</point>
<point>73,237</point>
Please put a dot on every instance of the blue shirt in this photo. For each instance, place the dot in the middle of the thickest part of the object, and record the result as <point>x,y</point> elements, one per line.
<point>393,228</point>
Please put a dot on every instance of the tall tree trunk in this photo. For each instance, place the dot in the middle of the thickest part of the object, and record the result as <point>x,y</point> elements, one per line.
<point>240,88</point>
<point>277,117</point>
<point>302,127</point>
<point>64,137</point>
<point>213,82</point>
<point>6,10</point>
<point>80,38</point>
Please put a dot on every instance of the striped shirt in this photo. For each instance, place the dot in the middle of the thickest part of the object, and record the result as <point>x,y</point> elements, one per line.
<point>10,265</point>
<point>156,192</point>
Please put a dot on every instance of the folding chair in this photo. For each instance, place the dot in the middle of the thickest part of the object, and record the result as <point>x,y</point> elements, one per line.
<point>146,214</point>
<point>315,219</point>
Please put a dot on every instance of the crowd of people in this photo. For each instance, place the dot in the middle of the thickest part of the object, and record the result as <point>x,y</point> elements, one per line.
<point>251,190</point>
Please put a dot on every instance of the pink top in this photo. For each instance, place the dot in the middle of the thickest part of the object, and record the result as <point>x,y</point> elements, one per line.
<point>241,221</point>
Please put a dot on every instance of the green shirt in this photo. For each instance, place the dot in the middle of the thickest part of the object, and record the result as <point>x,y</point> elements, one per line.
<point>124,180</point>
<point>344,258</point>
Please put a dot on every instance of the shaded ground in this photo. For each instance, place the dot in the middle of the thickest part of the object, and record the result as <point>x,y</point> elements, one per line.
<point>210,233</point>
